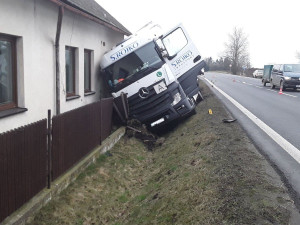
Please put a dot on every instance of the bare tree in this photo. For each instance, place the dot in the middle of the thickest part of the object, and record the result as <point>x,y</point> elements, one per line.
<point>236,49</point>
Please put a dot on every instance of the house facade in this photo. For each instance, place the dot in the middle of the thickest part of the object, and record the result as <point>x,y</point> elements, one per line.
<point>49,57</point>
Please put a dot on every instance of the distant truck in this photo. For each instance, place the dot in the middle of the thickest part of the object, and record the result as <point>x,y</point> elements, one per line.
<point>267,74</point>
<point>158,73</point>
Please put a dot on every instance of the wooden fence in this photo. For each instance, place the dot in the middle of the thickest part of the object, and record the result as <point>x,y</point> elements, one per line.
<point>75,133</point>
<point>24,158</point>
<point>23,165</point>
<point>106,117</point>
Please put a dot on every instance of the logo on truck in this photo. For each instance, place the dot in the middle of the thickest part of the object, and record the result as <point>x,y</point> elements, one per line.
<point>124,51</point>
<point>143,92</point>
<point>180,61</point>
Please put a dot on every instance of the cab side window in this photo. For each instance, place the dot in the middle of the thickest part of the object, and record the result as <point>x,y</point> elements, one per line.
<point>175,41</point>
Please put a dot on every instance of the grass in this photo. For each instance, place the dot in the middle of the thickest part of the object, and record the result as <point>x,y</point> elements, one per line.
<point>205,172</point>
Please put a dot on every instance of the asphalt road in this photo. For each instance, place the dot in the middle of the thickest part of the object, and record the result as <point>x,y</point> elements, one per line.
<point>280,112</point>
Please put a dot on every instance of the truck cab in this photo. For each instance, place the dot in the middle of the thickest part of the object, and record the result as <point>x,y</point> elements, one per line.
<point>154,71</point>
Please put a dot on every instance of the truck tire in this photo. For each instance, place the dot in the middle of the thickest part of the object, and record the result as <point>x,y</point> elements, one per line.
<point>200,97</point>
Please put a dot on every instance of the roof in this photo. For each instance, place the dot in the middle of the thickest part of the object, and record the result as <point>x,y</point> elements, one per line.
<point>92,8</point>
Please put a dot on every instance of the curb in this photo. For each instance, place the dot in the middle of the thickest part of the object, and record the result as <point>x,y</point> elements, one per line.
<point>23,214</point>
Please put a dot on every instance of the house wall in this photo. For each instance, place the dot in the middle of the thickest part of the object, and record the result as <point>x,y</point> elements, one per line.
<point>35,22</point>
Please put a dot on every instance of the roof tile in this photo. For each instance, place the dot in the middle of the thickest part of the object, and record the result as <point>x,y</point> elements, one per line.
<point>93,8</point>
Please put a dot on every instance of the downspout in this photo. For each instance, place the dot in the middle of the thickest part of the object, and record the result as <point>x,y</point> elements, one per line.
<point>57,57</point>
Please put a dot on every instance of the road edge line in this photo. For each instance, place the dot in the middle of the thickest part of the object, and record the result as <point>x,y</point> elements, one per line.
<point>287,146</point>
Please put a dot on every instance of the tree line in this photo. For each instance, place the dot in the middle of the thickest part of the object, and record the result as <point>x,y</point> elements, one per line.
<point>235,58</point>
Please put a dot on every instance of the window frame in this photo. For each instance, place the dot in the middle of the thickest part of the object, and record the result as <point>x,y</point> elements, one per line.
<point>73,51</point>
<point>168,47</point>
<point>14,102</point>
<point>89,53</point>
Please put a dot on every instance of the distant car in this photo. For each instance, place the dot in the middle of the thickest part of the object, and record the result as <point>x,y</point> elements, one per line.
<point>258,73</point>
<point>285,76</point>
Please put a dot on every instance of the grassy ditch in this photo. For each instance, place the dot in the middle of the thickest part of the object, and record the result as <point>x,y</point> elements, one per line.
<point>204,172</point>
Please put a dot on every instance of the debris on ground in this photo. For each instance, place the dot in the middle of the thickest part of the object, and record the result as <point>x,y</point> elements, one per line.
<point>228,120</point>
<point>138,130</point>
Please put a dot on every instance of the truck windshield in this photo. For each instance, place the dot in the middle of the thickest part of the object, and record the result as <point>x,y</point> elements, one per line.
<point>292,68</point>
<point>133,67</point>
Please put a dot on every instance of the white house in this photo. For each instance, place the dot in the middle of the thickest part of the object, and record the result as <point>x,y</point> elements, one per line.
<point>49,56</point>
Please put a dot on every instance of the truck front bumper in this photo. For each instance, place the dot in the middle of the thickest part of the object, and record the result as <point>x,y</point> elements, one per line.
<point>158,109</point>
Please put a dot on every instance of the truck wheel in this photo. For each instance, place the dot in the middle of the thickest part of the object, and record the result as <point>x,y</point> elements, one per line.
<point>200,96</point>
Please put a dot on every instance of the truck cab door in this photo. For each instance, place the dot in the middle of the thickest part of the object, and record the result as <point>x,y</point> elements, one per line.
<point>183,59</point>
<point>182,54</point>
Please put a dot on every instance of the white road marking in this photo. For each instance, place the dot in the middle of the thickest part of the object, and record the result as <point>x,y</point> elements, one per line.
<point>283,93</point>
<point>289,95</point>
<point>268,89</point>
<point>287,146</point>
<point>243,82</point>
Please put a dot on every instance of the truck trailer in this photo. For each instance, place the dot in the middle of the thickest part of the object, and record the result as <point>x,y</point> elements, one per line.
<point>158,73</point>
<point>267,74</point>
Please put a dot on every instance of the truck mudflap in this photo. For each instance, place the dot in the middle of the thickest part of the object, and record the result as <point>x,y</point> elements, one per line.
<point>188,80</point>
<point>158,109</point>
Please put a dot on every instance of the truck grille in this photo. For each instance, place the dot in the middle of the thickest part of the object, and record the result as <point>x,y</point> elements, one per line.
<point>143,108</point>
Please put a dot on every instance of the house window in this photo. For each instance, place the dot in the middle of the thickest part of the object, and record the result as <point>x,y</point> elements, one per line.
<point>70,71</point>
<point>8,81</point>
<point>87,70</point>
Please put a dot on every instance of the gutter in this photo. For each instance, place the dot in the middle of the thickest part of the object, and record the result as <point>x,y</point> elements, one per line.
<point>77,11</point>
<point>57,57</point>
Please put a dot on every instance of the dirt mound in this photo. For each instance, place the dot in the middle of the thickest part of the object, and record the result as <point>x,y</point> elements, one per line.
<point>138,130</point>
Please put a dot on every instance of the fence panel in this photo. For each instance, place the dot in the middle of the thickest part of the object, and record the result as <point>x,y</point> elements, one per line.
<point>23,151</point>
<point>23,171</point>
<point>106,117</point>
<point>74,134</point>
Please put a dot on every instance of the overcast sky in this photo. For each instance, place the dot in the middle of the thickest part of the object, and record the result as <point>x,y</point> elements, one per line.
<point>272,27</point>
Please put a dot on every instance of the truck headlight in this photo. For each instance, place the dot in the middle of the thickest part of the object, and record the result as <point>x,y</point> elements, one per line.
<point>177,98</point>
<point>287,78</point>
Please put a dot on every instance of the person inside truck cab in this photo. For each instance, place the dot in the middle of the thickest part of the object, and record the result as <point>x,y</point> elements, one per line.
<point>122,75</point>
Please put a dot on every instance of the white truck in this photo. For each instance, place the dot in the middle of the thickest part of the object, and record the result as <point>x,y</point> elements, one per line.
<point>158,73</point>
